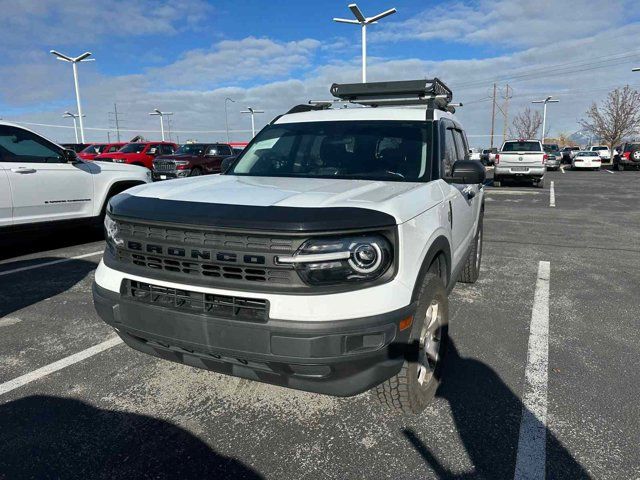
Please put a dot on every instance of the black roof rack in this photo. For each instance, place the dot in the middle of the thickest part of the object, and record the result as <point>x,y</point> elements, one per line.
<point>404,92</point>
<point>304,107</point>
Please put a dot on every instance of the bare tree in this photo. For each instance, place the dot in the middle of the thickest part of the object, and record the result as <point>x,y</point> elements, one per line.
<point>526,124</point>
<point>618,117</point>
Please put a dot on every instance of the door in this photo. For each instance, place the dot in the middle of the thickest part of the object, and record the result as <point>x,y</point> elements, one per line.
<point>459,196</point>
<point>214,157</point>
<point>6,215</point>
<point>44,186</point>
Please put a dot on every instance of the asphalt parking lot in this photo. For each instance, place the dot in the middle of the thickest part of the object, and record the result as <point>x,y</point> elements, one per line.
<point>118,413</point>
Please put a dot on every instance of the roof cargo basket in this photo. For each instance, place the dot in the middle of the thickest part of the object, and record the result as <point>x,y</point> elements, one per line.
<point>404,92</point>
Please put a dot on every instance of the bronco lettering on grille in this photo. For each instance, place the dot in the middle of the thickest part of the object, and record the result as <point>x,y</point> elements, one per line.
<point>196,254</point>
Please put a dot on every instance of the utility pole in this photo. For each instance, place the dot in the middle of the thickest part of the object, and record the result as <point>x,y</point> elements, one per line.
<point>252,111</point>
<point>544,113</point>
<point>493,114</point>
<point>115,114</point>
<point>506,113</point>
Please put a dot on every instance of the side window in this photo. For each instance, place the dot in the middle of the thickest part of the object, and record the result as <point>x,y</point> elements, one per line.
<point>153,149</point>
<point>167,149</point>
<point>113,148</point>
<point>212,150</point>
<point>461,145</point>
<point>450,155</point>
<point>17,145</point>
<point>224,149</point>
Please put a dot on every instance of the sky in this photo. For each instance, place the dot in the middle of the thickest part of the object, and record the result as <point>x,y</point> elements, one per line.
<point>187,56</point>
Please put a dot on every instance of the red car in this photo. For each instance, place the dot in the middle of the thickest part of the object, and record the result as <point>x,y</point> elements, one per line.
<point>95,149</point>
<point>139,153</point>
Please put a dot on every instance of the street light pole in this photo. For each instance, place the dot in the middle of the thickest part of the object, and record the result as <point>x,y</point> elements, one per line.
<point>75,126</point>
<point>363,22</point>
<point>544,112</point>
<point>226,118</point>
<point>252,111</point>
<point>74,62</point>
<point>157,112</point>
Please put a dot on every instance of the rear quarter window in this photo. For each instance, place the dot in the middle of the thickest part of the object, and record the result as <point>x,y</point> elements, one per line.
<point>521,147</point>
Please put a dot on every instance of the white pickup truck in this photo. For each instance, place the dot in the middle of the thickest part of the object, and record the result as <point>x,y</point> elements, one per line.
<point>520,159</point>
<point>41,183</point>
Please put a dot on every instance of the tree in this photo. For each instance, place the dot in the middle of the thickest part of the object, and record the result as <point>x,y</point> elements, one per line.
<point>618,117</point>
<point>526,124</point>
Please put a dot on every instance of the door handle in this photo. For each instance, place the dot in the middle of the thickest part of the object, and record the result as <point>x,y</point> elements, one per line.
<point>24,170</point>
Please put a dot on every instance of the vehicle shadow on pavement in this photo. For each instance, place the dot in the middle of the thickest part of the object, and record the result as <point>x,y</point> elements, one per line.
<point>16,244</point>
<point>53,437</point>
<point>18,292</point>
<point>487,417</point>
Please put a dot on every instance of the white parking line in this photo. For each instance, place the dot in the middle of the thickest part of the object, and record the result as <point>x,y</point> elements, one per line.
<point>531,456</point>
<point>608,171</point>
<point>552,195</point>
<point>59,365</point>
<point>52,262</point>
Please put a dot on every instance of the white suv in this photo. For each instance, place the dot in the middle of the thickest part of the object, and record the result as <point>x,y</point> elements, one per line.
<point>41,182</point>
<point>320,260</point>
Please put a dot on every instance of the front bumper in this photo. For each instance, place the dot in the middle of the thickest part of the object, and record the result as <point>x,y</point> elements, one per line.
<point>342,357</point>
<point>158,176</point>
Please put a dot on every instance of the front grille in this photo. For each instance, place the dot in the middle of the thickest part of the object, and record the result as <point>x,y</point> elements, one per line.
<point>202,269</point>
<point>164,166</point>
<point>219,306</point>
<point>210,258</point>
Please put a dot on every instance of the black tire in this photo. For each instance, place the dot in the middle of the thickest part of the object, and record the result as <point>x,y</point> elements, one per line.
<point>196,172</point>
<point>539,183</point>
<point>496,181</point>
<point>471,270</point>
<point>620,167</point>
<point>411,390</point>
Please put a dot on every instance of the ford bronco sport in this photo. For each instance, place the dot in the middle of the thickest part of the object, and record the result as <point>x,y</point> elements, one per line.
<point>320,260</point>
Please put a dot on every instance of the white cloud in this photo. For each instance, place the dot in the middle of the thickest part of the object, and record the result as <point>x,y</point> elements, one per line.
<point>27,23</point>
<point>237,60</point>
<point>507,23</point>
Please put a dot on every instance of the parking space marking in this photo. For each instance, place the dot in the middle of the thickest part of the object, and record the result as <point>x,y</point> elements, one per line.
<point>606,170</point>
<point>59,365</point>
<point>531,456</point>
<point>52,262</point>
<point>552,195</point>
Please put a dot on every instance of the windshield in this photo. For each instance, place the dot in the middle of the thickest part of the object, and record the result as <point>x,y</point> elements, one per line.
<point>133,148</point>
<point>368,150</point>
<point>551,148</point>
<point>521,147</point>
<point>191,149</point>
<point>587,154</point>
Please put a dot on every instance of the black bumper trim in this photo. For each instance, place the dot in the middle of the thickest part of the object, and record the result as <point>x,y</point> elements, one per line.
<point>342,358</point>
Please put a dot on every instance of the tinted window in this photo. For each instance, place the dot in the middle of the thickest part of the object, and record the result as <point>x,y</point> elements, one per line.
<point>94,149</point>
<point>521,147</point>
<point>133,148</point>
<point>450,154</point>
<point>460,145</point>
<point>224,150</point>
<point>17,145</point>
<point>166,149</point>
<point>113,148</point>
<point>371,150</point>
<point>191,149</point>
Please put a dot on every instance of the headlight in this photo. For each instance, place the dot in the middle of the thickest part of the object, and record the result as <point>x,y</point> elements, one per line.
<point>112,233</point>
<point>329,261</point>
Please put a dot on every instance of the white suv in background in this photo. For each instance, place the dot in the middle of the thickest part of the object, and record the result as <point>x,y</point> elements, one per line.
<point>42,183</point>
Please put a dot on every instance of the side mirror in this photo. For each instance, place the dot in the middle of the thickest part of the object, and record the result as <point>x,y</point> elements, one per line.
<point>226,164</point>
<point>467,172</point>
<point>70,156</point>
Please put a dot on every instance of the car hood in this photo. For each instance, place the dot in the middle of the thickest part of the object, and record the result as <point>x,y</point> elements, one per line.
<point>117,167</point>
<point>401,200</point>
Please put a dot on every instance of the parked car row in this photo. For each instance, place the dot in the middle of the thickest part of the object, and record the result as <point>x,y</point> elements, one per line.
<point>166,160</point>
